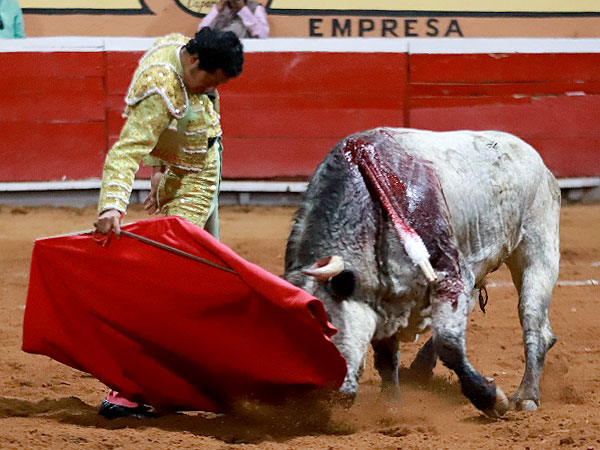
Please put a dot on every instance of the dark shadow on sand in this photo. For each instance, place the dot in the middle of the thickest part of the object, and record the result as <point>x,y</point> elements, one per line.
<point>253,424</point>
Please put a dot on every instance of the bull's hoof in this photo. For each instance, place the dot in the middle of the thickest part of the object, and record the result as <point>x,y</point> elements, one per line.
<point>523,405</point>
<point>529,405</point>
<point>500,407</point>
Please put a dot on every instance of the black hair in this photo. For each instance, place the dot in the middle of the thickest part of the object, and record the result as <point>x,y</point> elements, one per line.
<point>217,49</point>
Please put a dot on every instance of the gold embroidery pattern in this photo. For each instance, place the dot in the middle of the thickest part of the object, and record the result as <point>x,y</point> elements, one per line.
<point>161,79</point>
<point>161,131</point>
<point>147,120</point>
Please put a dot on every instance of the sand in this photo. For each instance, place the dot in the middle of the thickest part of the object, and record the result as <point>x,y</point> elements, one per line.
<point>46,405</point>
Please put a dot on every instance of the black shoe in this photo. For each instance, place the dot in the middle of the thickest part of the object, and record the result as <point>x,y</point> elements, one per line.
<point>113,411</point>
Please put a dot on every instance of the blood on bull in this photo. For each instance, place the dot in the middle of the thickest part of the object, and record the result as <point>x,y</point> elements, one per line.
<point>396,234</point>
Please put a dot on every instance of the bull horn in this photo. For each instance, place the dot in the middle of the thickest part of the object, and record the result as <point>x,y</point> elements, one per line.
<point>325,268</point>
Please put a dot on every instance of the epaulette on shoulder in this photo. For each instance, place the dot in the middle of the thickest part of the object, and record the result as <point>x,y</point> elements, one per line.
<point>161,79</point>
<point>173,38</point>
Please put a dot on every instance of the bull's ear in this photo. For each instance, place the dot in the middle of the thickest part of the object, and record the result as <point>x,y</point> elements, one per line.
<point>342,285</point>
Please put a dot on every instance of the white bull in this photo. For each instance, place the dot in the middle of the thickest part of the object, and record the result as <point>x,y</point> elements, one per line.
<point>477,200</point>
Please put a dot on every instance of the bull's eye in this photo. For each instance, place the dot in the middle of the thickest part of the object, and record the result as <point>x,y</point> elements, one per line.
<point>342,285</point>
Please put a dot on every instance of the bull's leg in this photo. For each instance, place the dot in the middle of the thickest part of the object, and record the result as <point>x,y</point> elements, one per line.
<point>387,359</point>
<point>450,307</point>
<point>356,323</point>
<point>534,274</point>
<point>534,267</point>
<point>426,359</point>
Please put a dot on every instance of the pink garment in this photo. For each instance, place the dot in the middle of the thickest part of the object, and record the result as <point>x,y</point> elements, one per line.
<point>117,398</point>
<point>255,22</point>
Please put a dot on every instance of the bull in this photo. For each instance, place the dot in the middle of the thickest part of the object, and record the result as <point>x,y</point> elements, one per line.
<point>396,233</point>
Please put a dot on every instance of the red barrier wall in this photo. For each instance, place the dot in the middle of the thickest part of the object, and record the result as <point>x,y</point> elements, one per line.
<point>52,115</point>
<point>60,111</point>
<point>551,101</point>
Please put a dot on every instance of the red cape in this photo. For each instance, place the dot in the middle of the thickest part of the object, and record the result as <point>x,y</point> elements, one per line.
<point>170,331</point>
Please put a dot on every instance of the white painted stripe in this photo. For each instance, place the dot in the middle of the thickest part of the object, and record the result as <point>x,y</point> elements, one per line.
<point>128,44</point>
<point>570,183</point>
<point>233,186</point>
<point>144,185</point>
<point>503,45</point>
<point>53,44</point>
<point>564,283</point>
<point>24,186</point>
<point>341,45</point>
<point>579,283</point>
<point>344,45</point>
<point>596,264</point>
<point>263,186</point>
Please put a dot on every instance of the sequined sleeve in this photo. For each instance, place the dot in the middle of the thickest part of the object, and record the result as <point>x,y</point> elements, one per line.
<point>145,122</point>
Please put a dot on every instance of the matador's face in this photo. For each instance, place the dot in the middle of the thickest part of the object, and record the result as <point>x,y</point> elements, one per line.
<point>200,81</point>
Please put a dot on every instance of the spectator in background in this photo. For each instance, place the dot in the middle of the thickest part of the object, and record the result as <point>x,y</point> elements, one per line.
<point>11,20</point>
<point>246,18</point>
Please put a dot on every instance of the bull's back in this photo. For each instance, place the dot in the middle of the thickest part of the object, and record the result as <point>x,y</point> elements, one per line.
<point>490,181</point>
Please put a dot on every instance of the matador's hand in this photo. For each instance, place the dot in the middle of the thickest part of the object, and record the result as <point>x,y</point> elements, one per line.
<point>151,202</point>
<point>109,220</point>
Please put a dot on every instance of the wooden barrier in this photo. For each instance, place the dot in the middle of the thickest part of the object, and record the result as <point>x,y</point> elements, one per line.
<point>62,100</point>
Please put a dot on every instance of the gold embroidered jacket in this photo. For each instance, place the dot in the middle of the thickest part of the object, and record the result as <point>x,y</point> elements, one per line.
<point>166,126</point>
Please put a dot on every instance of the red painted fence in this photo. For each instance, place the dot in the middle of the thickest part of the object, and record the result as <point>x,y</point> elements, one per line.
<point>61,105</point>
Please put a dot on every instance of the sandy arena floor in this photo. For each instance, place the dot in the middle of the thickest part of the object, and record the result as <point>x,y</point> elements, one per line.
<point>45,405</point>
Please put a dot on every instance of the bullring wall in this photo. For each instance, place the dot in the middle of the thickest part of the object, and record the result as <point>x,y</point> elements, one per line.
<point>62,99</point>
